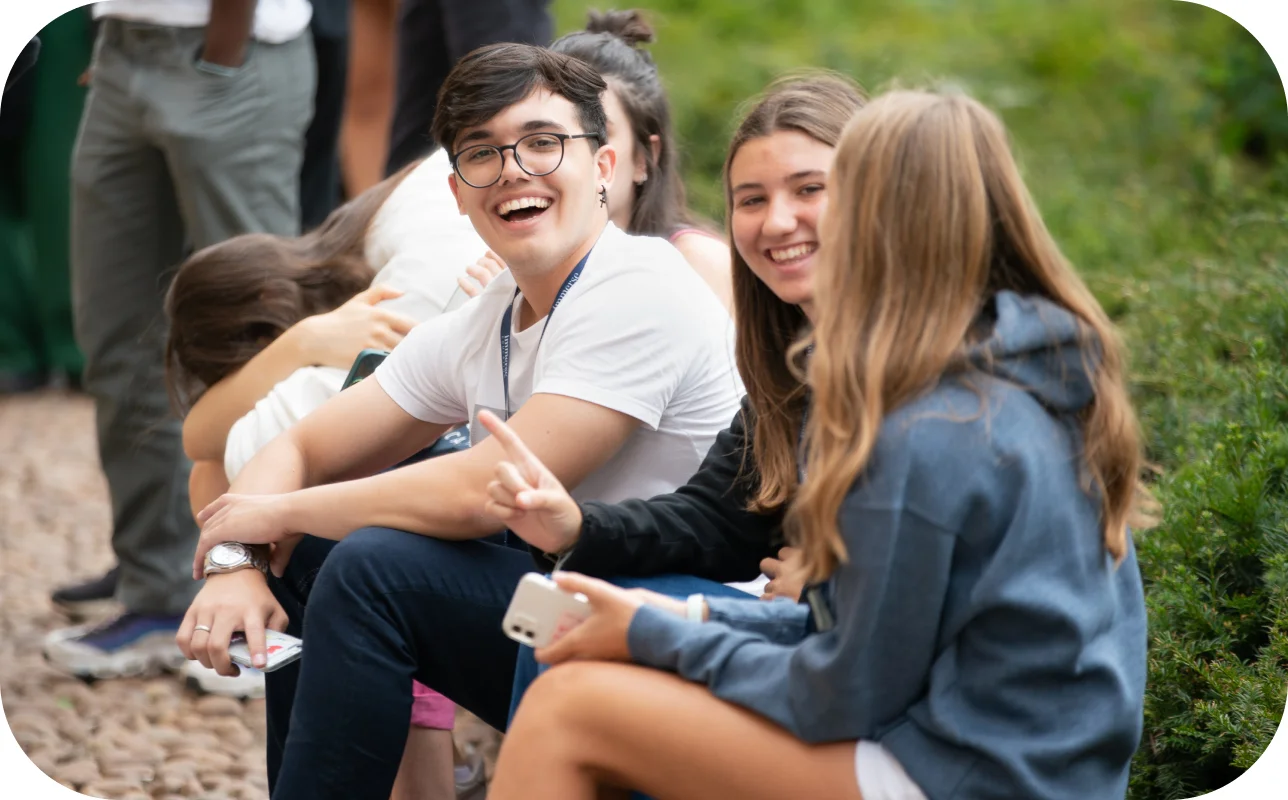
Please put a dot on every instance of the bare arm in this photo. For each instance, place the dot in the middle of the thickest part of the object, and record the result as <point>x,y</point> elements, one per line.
<point>441,497</point>
<point>332,339</point>
<point>445,496</point>
<point>710,258</point>
<point>206,426</point>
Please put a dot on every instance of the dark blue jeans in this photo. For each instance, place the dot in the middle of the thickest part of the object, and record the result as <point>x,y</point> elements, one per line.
<point>375,611</point>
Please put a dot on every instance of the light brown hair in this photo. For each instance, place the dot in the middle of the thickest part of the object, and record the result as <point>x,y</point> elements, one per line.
<point>927,219</point>
<point>817,104</point>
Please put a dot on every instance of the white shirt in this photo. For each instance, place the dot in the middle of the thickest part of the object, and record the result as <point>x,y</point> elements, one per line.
<point>419,243</point>
<point>639,333</point>
<point>276,21</point>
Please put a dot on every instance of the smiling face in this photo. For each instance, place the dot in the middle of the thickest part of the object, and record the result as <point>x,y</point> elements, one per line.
<point>778,198</point>
<point>536,223</point>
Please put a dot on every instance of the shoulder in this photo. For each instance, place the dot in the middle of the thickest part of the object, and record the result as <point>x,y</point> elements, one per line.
<point>644,271</point>
<point>973,445</point>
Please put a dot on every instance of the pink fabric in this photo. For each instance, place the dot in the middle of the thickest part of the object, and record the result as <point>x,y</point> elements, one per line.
<point>429,709</point>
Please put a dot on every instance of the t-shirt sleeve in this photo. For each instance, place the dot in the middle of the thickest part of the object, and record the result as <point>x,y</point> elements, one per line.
<point>625,346</point>
<point>420,375</point>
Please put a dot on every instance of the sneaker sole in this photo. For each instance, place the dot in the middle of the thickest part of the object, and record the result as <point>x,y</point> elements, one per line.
<point>195,685</point>
<point>142,668</point>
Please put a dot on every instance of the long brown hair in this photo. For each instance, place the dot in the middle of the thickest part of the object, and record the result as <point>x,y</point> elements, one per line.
<point>817,104</point>
<point>927,219</point>
<point>228,301</point>
<point>610,44</point>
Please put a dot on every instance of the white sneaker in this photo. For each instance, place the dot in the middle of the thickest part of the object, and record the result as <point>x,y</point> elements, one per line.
<point>246,686</point>
<point>123,646</point>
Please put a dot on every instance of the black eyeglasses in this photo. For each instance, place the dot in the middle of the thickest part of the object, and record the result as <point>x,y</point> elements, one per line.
<point>537,154</point>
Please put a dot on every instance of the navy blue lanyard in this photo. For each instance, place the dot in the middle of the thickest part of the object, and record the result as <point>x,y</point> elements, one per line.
<point>505,326</point>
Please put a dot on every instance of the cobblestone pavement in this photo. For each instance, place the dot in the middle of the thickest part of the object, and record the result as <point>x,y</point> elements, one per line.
<point>138,739</point>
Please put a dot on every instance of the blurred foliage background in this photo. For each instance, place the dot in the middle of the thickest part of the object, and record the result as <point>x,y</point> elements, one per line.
<point>1154,135</point>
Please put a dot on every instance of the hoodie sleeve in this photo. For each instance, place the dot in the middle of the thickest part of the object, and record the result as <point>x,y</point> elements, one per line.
<point>761,659</point>
<point>854,679</point>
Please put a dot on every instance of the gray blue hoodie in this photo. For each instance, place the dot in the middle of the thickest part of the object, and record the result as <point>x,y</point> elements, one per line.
<point>981,631</point>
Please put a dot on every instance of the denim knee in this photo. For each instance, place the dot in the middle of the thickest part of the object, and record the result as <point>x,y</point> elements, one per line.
<point>358,567</point>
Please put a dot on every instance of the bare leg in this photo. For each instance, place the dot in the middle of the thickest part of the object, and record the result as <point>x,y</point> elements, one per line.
<point>426,770</point>
<point>206,483</point>
<point>369,101</point>
<point>587,726</point>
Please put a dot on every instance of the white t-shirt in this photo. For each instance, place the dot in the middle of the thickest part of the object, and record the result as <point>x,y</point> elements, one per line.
<point>419,243</point>
<point>639,333</point>
<point>276,21</point>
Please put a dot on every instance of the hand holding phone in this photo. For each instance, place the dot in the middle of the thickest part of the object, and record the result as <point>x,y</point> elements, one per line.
<point>282,650</point>
<point>540,612</point>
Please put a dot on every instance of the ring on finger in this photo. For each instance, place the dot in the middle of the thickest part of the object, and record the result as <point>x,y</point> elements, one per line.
<point>204,628</point>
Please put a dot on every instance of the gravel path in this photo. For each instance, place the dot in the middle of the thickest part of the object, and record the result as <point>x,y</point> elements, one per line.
<point>139,739</point>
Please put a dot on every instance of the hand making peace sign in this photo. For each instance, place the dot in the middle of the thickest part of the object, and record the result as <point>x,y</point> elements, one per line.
<point>527,496</point>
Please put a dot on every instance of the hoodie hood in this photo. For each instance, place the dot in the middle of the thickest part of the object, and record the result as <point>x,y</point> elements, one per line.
<point>1035,344</point>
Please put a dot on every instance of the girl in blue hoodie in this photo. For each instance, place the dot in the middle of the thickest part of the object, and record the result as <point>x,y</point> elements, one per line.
<point>975,625</point>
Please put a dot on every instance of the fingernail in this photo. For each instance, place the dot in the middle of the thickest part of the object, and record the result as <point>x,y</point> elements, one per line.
<point>524,498</point>
<point>259,660</point>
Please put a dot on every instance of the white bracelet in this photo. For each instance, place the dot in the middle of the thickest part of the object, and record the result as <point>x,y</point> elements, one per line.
<point>695,606</point>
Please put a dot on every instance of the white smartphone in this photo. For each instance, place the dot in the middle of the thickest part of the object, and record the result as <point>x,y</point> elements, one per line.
<point>540,612</point>
<point>282,650</point>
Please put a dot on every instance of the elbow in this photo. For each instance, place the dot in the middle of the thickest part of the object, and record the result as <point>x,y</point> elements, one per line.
<point>197,447</point>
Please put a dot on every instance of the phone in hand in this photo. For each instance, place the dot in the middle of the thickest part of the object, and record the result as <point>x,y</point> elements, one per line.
<point>541,613</point>
<point>364,365</point>
<point>282,650</point>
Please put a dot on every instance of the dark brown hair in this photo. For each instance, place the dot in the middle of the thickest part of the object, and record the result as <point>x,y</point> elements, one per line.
<point>817,104</point>
<point>610,45</point>
<point>491,79</point>
<point>228,301</point>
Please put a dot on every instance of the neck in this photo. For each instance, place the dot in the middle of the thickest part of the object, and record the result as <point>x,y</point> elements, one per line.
<point>539,291</point>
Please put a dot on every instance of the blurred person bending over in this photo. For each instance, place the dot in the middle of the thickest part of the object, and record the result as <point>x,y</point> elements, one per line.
<point>193,132</point>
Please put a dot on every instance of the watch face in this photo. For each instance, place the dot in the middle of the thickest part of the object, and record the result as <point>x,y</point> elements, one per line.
<point>227,555</point>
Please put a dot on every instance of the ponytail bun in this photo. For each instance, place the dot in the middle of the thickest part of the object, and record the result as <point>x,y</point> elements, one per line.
<point>629,26</point>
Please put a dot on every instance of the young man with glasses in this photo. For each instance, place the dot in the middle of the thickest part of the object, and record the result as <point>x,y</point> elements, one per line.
<point>608,354</point>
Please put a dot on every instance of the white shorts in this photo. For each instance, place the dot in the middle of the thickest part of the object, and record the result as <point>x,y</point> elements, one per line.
<point>881,776</point>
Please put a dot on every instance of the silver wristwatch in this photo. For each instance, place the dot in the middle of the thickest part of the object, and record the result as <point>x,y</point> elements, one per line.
<point>233,556</point>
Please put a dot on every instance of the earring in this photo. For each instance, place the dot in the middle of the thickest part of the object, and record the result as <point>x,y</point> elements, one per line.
<point>603,196</point>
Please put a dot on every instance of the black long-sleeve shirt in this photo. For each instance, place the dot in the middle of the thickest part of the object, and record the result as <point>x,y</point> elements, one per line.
<point>702,529</point>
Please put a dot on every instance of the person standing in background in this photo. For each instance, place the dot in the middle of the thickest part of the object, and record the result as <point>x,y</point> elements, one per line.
<point>193,132</point>
<point>369,95</point>
<point>432,36</point>
<point>37,131</point>
<point>320,172</point>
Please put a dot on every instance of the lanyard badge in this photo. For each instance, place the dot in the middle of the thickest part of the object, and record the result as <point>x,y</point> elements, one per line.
<point>506,320</point>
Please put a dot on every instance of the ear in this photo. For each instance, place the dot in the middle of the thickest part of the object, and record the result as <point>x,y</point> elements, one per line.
<point>456,193</point>
<point>655,145</point>
<point>605,165</point>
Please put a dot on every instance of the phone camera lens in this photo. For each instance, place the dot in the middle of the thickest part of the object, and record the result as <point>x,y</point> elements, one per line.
<point>516,628</point>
